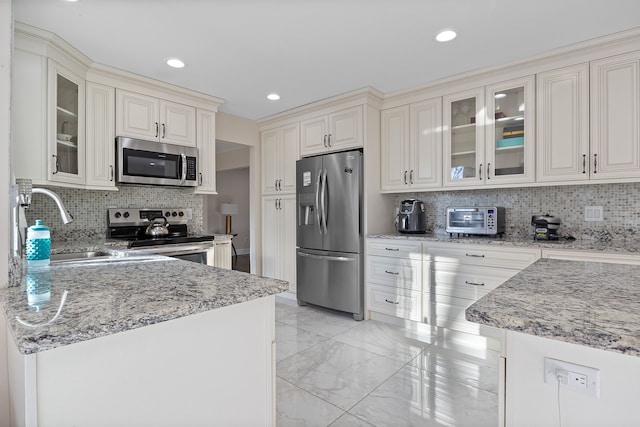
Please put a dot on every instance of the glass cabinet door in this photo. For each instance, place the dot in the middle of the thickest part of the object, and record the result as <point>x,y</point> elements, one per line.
<point>67,122</point>
<point>463,138</point>
<point>509,135</point>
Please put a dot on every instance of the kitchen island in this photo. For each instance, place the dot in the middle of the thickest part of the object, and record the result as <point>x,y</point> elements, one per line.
<point>585,313</point>
<point>141,340</point>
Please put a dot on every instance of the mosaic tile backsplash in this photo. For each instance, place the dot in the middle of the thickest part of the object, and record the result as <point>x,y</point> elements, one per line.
<point>89,208</point>
<point>620,202</point>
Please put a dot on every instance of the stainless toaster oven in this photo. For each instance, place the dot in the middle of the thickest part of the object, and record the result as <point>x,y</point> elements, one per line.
<point>483,220</point>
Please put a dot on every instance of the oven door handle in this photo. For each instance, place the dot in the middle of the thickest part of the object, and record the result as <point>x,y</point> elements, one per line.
<point>174,250</point>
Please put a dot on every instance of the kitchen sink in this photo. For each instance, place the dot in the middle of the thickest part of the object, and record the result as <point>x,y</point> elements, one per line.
<point>80,256</point>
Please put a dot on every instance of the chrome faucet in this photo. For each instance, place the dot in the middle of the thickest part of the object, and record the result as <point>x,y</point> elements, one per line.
<point>23,192</point>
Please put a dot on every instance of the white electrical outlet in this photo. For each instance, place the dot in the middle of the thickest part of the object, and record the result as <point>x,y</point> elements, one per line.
<point>582,379</point>
<point>593,213</point>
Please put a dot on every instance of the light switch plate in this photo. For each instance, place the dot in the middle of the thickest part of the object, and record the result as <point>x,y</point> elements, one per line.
<point>593,213</point>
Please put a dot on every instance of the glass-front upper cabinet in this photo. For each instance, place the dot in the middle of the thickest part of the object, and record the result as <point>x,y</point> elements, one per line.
<point>509,132</point>
<point>66,125</point>
<point>463,138</point>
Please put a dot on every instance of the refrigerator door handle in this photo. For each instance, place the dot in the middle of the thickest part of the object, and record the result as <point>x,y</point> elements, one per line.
<point>323,193</point>
<point>317,201</point>
<point>326,257</point>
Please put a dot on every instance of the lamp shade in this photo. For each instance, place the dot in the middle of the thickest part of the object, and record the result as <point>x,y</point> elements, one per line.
<point>229,209</point>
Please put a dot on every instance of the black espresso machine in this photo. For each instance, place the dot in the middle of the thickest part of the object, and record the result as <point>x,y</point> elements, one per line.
<point>545,227</point>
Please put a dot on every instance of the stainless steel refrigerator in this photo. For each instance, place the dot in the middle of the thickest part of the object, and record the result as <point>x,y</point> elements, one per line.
<point>329,234</point>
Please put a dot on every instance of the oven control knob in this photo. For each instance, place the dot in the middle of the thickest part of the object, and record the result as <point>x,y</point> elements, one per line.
<point>126,214</point>
<point>167,214</point>
<point>181,214</point>
<point>118,215</point>
<point>174,213</point>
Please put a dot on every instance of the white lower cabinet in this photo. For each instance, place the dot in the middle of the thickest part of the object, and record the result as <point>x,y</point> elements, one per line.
<point>460,275</point>
<point>222,253</point>
<point>394,278</point>
<point>279,238</point>
<point>434,282</point>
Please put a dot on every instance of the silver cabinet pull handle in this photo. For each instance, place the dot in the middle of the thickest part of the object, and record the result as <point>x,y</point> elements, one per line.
<point>480,172</point>
<point>595,163</point>
<point>411,176</point>
<point>55,163</point>
<point>488,170</point>
<point>111,173</point>
<point>392,302</point>
<point>396,273</point>
<point>200,178</point>
<point>473,283</point>
<point>584,163</point>
<point>325,141</point>
<point>329,140</point>
<point>157,130</point>
<point>405,177</point>
<point>392,249</point>
<point>475,256</point>
<point>164,131</point>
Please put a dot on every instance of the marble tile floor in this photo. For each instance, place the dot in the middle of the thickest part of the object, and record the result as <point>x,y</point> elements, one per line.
<point>334,371</point>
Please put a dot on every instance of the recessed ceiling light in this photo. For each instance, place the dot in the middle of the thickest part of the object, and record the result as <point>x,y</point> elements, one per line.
<point>500,95</point>
<point>446,35</point>
<point>175,63</point>
<point>273,97</point>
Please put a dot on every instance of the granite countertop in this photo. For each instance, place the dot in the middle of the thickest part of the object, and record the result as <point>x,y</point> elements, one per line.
<point>630,246</point>
<point>119,294</point>
<point>588,303</point>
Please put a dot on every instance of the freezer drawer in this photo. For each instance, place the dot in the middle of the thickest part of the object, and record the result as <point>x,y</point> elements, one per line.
<point>330,279</point>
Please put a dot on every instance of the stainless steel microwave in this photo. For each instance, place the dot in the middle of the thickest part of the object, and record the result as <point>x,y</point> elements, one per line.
<point>484,220</point>
<point>155,163</point>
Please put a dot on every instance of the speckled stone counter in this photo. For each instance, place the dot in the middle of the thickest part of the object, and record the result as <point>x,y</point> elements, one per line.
<point>107,297</point>
<point>587,303</point>
<point>614,246</point>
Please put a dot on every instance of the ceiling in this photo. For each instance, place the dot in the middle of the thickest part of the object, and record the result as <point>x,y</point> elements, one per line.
<point>307,50</point>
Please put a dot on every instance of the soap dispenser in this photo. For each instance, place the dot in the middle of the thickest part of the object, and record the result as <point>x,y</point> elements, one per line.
<point>38,247</point>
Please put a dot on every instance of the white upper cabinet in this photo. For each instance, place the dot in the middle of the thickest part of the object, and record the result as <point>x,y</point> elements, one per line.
<point>510,132</point>
<point>489,135</point>
<point>280,148</point>
<point>150,118</point>
<point>411,147</point>
<point>588,121</point>
<point>563,124</point>
<point>66,125</point>
<point>336,131</point>
<point>615,117</point>
<point>463,138</point>
<point>206,137</point>
<point>100,161</point>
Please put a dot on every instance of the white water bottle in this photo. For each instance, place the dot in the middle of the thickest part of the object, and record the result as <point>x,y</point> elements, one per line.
<point>38,247</point>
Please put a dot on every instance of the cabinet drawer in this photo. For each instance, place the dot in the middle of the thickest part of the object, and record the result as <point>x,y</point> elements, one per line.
<point>468,281</point>
<point>396,272</point>
<point>395,248</point>
<point>504,257</point>
<point>402,303</point>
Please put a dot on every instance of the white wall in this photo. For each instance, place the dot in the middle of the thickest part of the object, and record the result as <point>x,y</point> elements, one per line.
<point>6,29</point>
<point>233,187</point>
<point>243,131</point>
